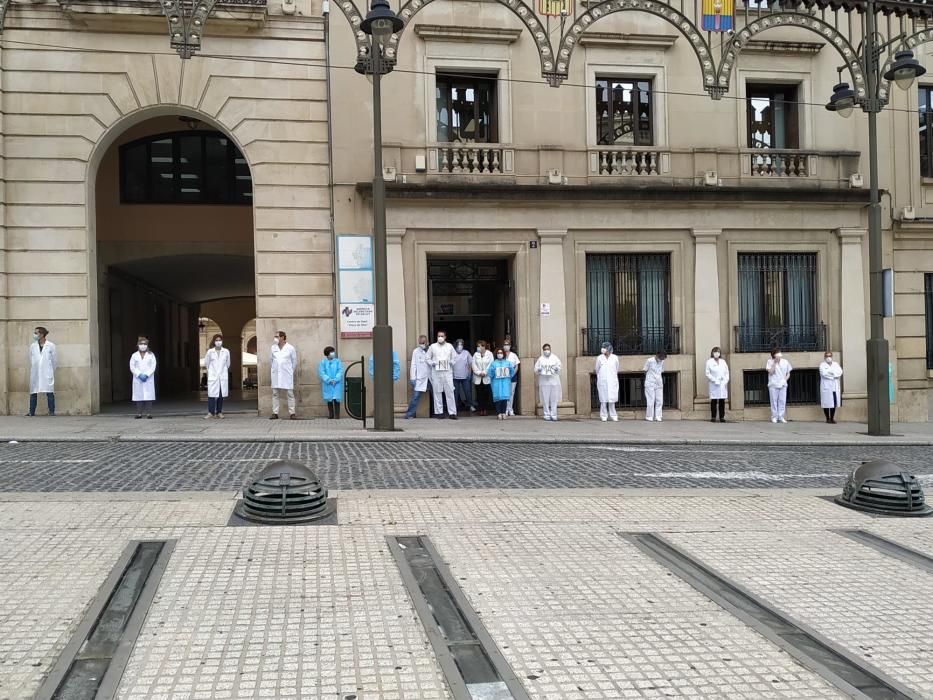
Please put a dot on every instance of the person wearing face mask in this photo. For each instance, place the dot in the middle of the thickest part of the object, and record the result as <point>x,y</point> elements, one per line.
<point>607,383</point>
<point>284,360</point>
<point>508,347</point>
<point>830,387</point>
<point>142,367</point>
<point>547,367</point>
<point>217,364</point>
<point>330,372</point>
<point>463,376</point>
<point>779,371</point>
<point>654,386</point>
<point>43,359</point>
<point>717,374</point>
<point>440,357</point>
<point>418,374</point>
<point>482,361</point>
<point>501,371</point>
<point>396,366</point>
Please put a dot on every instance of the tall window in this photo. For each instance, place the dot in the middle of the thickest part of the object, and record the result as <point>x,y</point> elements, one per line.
<point>628,302</point>
<point>623,111</point>
<point>926,131</point>
<point>778,302</point>
<point>928,294</point>
<point>184,167</point>
<point>772,116</point>
<point>466,109</point>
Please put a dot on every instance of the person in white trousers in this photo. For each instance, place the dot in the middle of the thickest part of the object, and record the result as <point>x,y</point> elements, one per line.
<point>510,355</point>
<point>547,367</point>
<point>284,361</point>
<point>654,387</point>
<point>607,383</point>
<point>779,371</point>
<point>440,358</point>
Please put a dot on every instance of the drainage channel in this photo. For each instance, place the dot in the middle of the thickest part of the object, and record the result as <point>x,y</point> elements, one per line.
<point>889,548</point>
<point>92,664</point>
<point>845,671</point>
<point>472,664</point>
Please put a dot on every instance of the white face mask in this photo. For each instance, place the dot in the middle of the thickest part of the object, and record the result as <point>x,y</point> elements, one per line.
<point>275,339</point>
<point>605,351</point>
<point>500,356</point>
<point>35,336</point>
<point>716,355</point>
<point>778,356</point>
<point>479,349</point>
<point>143,347</point>
<point>331,355</point>
<point>441,339</point>
<point>828,358</point>
<point>506,347</point>
<point>460,347</point>
<point>218,343</point>
<point>547,353</point>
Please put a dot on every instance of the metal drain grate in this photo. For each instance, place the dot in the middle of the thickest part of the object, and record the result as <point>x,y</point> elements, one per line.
<point>889,548</point>
<point>472,664</point>
<point>845,671</point>
<point>91,665</point>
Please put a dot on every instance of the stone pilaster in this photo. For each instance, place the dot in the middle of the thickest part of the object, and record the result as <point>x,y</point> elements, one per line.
<point>553,326</point>
<point>397,316</point>
<point>707,325</point>
<point>853,329</point>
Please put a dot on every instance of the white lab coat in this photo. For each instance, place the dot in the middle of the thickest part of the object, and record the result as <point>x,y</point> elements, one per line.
<point>830,384</point>
<point>419,370</point>
<point>782,369</point>
<point>42,364</point>
<point>284,364</point>
<point>653,370</point>
<point>481,363</point>
<point>217,365</point>
<point>143,364</point>
<point>717,372</point>
<point>607,378</point>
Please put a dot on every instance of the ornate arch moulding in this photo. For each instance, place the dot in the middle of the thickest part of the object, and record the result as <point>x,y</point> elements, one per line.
<point>4,5</point>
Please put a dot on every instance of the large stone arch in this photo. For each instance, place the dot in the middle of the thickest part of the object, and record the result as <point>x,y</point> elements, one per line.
<point>680,21</point>
<point>740,40</point>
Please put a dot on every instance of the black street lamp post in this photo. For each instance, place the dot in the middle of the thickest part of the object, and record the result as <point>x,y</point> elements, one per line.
<point>843,101</point>
<point>380,24</point>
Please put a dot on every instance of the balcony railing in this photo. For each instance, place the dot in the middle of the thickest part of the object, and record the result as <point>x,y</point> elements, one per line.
<point>633,341</point>
<point>773,163</point>
<point>630,161</point>
<point>810,338</point>
<point>470,159</point>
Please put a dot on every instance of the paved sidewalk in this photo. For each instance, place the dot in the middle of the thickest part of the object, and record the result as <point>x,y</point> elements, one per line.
<point>249,428</point>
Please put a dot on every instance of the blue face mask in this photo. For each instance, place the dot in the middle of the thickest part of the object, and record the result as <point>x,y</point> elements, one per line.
<point>331,355</point>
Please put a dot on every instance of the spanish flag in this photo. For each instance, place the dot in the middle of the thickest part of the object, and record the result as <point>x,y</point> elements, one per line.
<point>718,15</point>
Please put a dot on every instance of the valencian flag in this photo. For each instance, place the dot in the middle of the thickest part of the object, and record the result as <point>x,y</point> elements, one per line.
<point>718,15</point>
<point>554,8</point>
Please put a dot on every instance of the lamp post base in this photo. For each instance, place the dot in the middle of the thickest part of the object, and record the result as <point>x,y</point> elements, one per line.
<point>383,401</point>
<point>879,405</point>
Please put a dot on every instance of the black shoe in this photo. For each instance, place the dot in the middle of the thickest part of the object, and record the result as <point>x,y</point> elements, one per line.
<point>274,416</point>
<point>453,417</point>
<point>712,420</point>
<point>722,420</point>
<point>292,416</point>
<point>139,416</point>
<point>149,417</point>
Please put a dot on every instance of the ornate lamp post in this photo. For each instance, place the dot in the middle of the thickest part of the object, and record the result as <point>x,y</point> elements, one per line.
<point>843,101</point>
<point>380,24</point>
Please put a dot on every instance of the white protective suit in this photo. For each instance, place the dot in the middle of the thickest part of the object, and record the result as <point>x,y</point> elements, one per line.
<point>42,363</point>
<point>143,364</point>
<point>607,384</point>
<point>440,357</point>
<point>717,373</point>
<point>419,372</point>
<point>830,386</point>
<point>549,390</point>
<point>217,365</point>
<point>654,388</point>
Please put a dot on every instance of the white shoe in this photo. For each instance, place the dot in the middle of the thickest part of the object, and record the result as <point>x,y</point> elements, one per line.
<point>658,419</point>
<point>774,420</point>
<point>208,416</point>
<point>220,415</point>
<point>603,419</point>
<point>649,419</point>
<point>783,419</point>
<point>615,418</point>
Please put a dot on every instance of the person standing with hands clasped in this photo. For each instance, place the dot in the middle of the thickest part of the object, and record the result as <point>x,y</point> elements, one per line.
<point>501,371</point>
<point>547,367</point>
<point>779,371</point>
<point>331,373</point>
<point>654,386</point>
<point>482,361</point>
<point>717,374</point>
<point>142,367</point>
<point>284,360</point>
<point>217,364</point>
<point>418,373</point>
<point>607,383</point>
<point>43,359</point>
<point>440,357</point>
<point>830,387</point>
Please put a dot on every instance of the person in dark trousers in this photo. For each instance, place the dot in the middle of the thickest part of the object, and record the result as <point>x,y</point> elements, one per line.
<point>830,387</point>
<point>502,371</point>
<point>717,374</point>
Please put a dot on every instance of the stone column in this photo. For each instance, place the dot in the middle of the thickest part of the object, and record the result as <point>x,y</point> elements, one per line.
<point>853,328</point>
<point>397,313</point>
<point>5,351</point>
<point>553,326</point>
<point>707,321</point>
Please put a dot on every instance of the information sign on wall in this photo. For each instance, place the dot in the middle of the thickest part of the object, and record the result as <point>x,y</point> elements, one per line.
<point>355,285</point>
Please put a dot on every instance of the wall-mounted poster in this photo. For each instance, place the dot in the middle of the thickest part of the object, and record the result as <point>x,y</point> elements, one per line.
<point>355,285</point>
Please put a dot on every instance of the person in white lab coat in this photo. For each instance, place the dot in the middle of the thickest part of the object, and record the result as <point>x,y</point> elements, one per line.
<point>440,357</point>
<point>142,367</point>
<point>418,374</point>
<point>779,371</point>
<point>217,364</point>
<point>43,359</point>
<point>508,347</point>
<point>482,360</point>
<point>717,374</point>
<point>607,383</point>
<point>654,386</point>
<point>547,367</point>
<point>284,360</point>
<point>830,386</point>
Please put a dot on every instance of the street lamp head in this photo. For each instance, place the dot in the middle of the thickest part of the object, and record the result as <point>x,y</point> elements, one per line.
<point>381,22</point>
<point>843,100</point>
<point>905,69</point>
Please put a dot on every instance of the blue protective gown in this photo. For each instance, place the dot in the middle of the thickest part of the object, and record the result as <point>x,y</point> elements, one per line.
<point>327,371</point>
<point>501,385</point>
